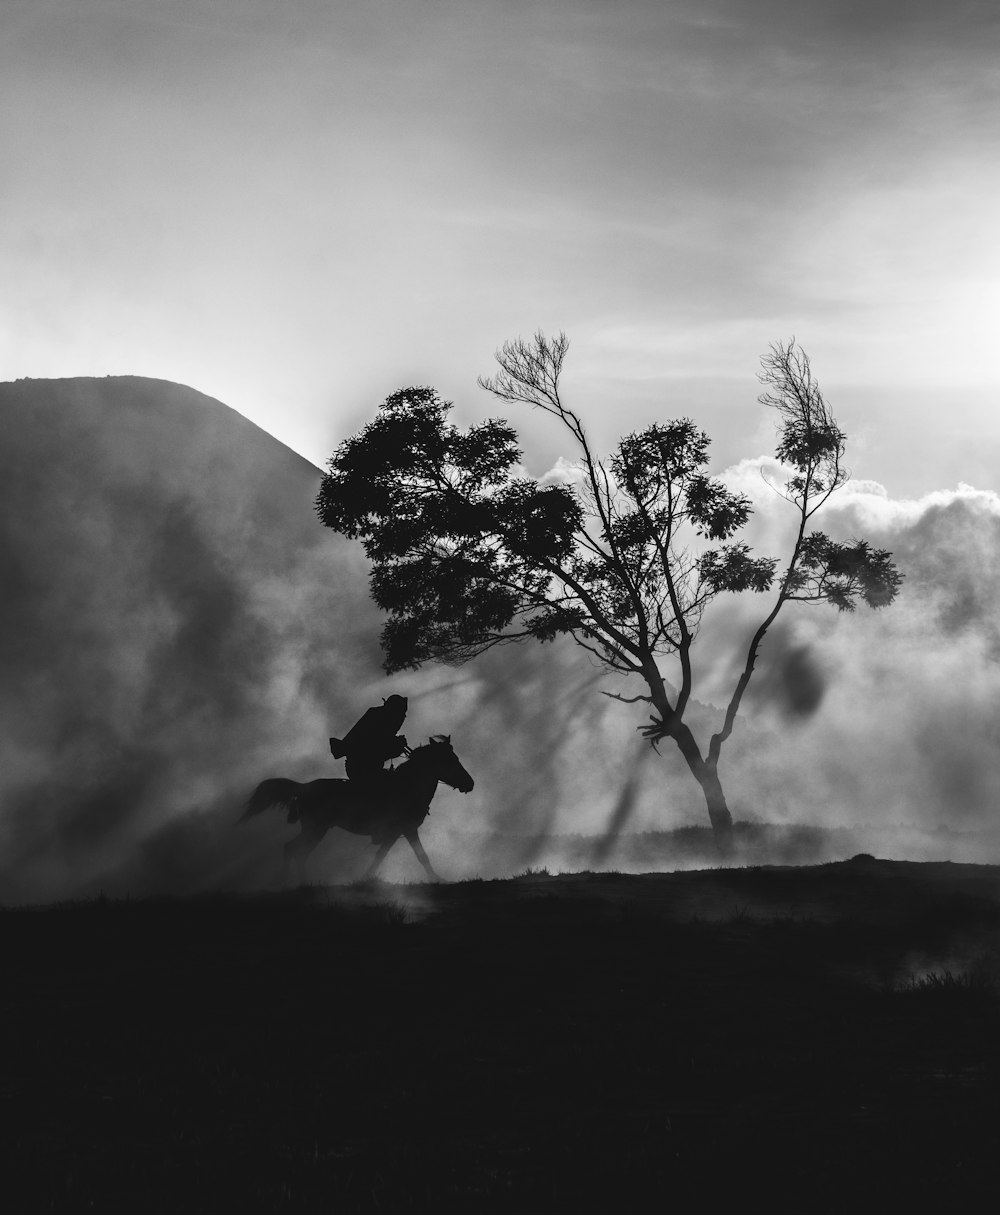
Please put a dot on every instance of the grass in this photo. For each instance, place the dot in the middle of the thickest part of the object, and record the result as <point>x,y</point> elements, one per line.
<point>514,1050</point>
<point>943,985</point>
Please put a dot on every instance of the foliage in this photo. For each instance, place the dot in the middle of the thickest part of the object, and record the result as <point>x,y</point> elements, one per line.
<point>467,551</point>
<point>464,547</point>
<point>624,554</point>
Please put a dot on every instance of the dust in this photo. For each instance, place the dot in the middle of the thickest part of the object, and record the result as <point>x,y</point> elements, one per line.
<point>176,626</point>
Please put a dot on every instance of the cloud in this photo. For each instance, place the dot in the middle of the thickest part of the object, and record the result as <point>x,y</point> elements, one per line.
<point>564,472</point>
<point>896,709</point>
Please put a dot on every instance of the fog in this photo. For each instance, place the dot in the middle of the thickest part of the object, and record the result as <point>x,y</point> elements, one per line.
<point>175,625</point>
<point>173,621</point>
<point>886,717</point>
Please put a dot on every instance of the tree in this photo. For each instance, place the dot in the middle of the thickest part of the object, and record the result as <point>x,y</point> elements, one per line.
<point>468,552</point>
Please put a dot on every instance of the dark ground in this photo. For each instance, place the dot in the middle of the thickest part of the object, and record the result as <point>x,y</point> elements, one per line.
<point>812,1039</point>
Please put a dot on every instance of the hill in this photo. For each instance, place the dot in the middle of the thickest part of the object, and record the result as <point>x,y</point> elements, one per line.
<point>173,621</point>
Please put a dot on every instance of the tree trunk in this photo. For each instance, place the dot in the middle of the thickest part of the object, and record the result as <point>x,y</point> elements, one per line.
<point>705,772</point>
<point>718,810</point>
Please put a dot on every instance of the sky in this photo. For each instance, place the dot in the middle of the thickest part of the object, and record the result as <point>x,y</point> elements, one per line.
<point>300,208</point>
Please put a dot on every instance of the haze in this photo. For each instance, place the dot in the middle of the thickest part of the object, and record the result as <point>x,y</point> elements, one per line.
<point>299,208</point>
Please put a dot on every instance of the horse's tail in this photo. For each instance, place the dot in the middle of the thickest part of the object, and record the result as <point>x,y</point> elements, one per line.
<point>278,791</point>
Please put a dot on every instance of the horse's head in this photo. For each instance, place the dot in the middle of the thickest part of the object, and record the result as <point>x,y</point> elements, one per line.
<point>445,764</point>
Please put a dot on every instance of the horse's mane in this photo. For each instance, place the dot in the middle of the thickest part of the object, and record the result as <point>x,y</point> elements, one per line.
<point>422,752</point>
<point>417,752</point>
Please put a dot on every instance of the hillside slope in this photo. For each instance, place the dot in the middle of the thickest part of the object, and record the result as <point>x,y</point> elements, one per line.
<point>173,620</point>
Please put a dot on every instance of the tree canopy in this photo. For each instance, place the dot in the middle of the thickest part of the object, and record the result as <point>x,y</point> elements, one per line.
<point>623,554</point>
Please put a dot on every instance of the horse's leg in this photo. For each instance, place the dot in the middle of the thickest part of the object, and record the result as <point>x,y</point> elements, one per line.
<point>379,858</point>
<point>414,841</point>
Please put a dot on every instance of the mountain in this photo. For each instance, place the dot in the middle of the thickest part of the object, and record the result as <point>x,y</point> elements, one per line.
<point>173,619</point>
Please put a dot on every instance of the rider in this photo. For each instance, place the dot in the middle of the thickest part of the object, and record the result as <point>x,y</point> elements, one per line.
<point>372,741</point>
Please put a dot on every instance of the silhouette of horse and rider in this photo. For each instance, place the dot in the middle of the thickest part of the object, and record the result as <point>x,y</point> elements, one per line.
<point>383,805</point>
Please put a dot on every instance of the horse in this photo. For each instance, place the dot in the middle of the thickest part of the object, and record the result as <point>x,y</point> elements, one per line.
<point>395,807</point>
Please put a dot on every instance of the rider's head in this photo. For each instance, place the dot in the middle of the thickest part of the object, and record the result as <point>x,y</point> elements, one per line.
<point>396,706</point>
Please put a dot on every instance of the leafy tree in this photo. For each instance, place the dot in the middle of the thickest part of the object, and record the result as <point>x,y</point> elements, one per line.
<point>468,552</point>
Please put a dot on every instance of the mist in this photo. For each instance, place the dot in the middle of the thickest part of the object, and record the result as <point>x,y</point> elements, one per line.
<point>883,719</point>
<point>173,623</point>
<point>176,625</point>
